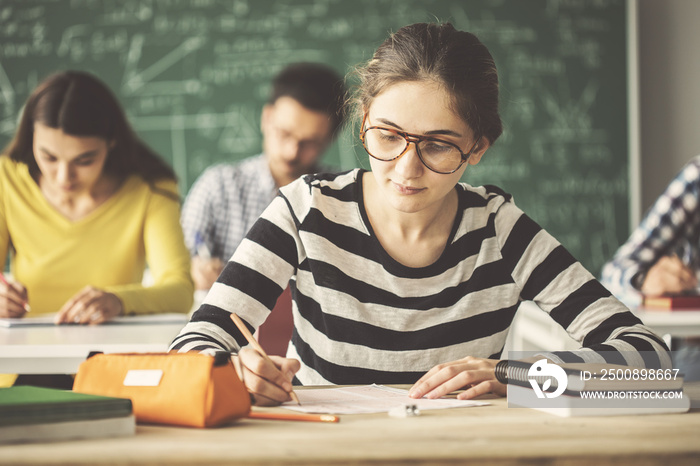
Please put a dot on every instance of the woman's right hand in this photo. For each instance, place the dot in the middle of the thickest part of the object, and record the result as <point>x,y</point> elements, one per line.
<point>268,380</point>
<point>13,299</point>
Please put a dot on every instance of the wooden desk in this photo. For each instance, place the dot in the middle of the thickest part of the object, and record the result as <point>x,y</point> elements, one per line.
<point>489,435</point>
<point>60,349</point>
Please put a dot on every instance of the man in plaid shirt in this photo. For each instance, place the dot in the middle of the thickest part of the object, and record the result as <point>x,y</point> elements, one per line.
<point>299,122</point>
<point>662,256</point>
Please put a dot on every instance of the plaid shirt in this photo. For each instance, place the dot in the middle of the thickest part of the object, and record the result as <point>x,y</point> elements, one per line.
<point>672,226</point>
<point>224,203</point>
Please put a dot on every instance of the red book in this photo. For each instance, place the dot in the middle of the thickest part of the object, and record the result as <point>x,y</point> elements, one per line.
<point>673,302</point>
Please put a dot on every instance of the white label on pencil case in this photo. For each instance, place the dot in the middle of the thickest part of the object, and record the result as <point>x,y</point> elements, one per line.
<point>143,378</point>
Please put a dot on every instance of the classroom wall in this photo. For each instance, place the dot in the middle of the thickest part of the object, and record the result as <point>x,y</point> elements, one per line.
<point>669,83</point>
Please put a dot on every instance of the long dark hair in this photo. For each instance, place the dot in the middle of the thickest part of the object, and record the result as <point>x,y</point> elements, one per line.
<point>456,60</point>
<point>79,104</point>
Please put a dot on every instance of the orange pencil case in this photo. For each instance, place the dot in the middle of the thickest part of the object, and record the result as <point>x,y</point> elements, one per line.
<point>185,389</point>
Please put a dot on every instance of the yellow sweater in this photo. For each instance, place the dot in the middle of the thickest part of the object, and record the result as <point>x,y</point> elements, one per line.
<point>54,257</point>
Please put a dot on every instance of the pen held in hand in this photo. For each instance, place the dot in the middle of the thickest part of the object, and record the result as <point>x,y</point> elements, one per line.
<point>201,247</point>
<point>26,306</point>
<point>254,343</point>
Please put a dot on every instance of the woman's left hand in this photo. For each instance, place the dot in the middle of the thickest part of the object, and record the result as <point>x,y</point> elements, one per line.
<point>476,375</point>
<point>90,306</point>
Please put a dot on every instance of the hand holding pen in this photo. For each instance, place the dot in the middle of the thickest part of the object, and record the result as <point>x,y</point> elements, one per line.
<point>205,268</point>
<point>670,275</point>
<point>13,298</point>
<point>268,379</point>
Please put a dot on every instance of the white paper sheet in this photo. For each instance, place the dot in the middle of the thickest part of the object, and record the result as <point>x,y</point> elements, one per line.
<point>367,399</point>
<point>47,319</point>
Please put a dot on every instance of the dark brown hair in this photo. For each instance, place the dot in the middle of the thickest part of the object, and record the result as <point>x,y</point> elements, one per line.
<point>316,87</point>
<point>454,59</point>
<point>79,104</point>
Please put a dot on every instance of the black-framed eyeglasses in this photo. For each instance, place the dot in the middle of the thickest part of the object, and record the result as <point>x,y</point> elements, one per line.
<point>438,155</point>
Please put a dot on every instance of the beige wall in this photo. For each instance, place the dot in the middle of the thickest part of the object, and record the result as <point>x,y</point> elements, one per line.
<point>669,88</point>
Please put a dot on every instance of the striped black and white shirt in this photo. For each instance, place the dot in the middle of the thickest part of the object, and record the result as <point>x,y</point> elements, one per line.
<point>362,317</point>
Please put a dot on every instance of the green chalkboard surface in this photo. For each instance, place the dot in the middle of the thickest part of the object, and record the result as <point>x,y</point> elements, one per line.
<point>193,75</point>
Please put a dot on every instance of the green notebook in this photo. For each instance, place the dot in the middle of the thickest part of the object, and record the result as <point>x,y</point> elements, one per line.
<point>23,405</point>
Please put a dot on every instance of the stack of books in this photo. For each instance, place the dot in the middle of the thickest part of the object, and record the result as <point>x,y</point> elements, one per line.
<point>679,302</point>
<point>595,389</point>
<point>36,414</point>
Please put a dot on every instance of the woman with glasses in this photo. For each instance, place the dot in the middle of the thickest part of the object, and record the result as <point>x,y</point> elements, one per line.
<point>402,274</point>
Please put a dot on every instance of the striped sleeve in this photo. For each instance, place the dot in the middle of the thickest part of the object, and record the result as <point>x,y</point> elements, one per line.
<point>271,246</point>
<point>547,274</point>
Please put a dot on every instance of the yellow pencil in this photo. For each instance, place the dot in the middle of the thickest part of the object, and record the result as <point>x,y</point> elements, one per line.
<point>251,339</point>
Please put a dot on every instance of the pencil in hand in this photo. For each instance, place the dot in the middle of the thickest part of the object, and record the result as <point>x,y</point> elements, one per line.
<point>254,343</point>
<point>4,280</point>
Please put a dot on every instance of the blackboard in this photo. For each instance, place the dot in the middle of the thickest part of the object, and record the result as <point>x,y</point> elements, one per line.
<point>194,74</point>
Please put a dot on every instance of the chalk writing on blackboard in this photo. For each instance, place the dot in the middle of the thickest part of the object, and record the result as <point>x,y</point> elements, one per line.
<point>193,76</point>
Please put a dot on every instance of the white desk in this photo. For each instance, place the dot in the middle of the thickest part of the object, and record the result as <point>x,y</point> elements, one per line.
<point>676,323</point>
<point>534,330</point>
<point>60,349</point>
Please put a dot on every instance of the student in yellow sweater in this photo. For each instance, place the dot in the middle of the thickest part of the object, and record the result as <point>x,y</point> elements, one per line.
<point>85,206</point>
